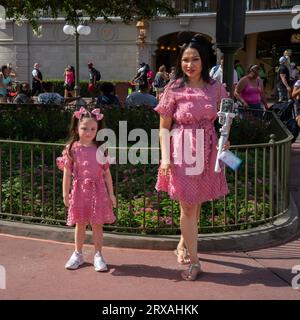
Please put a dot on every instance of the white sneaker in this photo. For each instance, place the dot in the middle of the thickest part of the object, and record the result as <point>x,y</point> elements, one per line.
<point>75,261</point>
<point>99,262</point>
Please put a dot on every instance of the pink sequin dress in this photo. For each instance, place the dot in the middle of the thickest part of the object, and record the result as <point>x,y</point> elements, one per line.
<point>192,108</point>
<point>89,199</point>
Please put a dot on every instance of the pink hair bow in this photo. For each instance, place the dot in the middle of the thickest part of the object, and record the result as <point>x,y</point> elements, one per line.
<point>97,114</point>
<point>79,113</point>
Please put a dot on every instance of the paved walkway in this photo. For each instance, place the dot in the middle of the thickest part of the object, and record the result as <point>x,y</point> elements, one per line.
<point>35,270</point>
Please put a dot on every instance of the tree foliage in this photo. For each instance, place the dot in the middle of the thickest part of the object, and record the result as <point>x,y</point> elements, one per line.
<point>127,10</point>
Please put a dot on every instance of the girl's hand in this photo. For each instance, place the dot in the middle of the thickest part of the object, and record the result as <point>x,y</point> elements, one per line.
<point>113,200</point>
<point>165,169</point>
<point>66,201</point>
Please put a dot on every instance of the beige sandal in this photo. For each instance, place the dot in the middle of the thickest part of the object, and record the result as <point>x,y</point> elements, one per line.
<point>183,256</point>
<point>192,273</point>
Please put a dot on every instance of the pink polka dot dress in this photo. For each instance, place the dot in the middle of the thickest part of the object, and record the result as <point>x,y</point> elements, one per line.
<point>192,109</point>
<point>89,199</point>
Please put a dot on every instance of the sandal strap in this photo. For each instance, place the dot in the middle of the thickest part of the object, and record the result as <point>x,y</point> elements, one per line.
<point>194,266</point>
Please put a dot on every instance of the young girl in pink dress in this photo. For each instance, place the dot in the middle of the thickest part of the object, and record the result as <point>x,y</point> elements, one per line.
<point>92,197</point>
<point>189,106</point>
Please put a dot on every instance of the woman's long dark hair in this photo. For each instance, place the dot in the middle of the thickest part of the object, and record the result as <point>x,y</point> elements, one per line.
<point>74,136</point>
<point>199,43</point>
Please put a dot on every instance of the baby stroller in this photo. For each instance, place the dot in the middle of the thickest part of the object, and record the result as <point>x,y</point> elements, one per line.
<point>287,112</point>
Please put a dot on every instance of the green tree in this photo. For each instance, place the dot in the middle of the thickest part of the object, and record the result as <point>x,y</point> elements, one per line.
<point>128,10</point>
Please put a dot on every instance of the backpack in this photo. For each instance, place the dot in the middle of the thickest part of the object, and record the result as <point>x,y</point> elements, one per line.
<point>98,75</point>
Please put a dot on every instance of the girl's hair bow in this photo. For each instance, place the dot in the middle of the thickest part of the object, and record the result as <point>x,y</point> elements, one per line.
<point>96,112</point>
<point>79,113</point>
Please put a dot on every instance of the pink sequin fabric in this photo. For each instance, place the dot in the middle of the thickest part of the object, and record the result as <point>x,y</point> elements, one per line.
<point>192,108</point>
<point>89,199</point>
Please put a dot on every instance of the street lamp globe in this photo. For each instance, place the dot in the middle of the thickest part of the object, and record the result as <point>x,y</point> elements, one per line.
<point>68,29</point>
<point>83,30</point>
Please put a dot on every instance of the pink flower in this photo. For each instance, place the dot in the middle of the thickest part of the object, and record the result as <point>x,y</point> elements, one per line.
<point>148,210</point>
<point>168,220</point>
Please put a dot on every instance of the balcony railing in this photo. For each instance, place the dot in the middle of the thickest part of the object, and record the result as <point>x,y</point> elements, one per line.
<point>194,6</point>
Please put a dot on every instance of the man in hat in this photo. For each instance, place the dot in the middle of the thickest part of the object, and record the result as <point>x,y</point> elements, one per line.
<point>283,85</point>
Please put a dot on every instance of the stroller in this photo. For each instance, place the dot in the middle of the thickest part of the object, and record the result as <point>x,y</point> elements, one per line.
<point>287,112</point>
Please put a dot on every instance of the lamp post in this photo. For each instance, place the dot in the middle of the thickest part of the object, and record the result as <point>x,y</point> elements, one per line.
<point>76,31</point>
<point>141,26</point>
<point>230,30</point>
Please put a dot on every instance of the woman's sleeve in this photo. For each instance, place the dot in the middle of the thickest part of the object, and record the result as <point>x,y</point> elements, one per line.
<point>166,106</point>
<point>64,161</point>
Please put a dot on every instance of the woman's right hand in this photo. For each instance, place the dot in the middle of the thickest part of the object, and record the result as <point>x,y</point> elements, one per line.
<point>66,201</point>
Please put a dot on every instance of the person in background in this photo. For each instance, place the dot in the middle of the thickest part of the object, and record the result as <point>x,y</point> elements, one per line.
<point>141,98</point>
<point>69,83</point>
<point>108,97</point>
<point>5,83</point>
<point>141,76</point>
<point>283,82</point>
<point>23,94</point>
<point>294,74</point>
<point>296,96</point>
<point>216,73</point>
<point>250,92</point>
<point>11,71</point>
<point>263,74</point>
<point>239,69</point>
<point>37,79</point>
<point>150,79</point>
<point>160,81</point>
<point>287,54</point>
<point>172,74</point>
<point>94,77</point>
<point>50,97</point>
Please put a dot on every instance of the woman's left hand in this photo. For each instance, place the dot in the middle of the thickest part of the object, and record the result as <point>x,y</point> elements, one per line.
<point>226,145</point>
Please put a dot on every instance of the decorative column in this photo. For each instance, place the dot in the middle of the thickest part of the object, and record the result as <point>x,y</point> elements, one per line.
<point>251,44</point>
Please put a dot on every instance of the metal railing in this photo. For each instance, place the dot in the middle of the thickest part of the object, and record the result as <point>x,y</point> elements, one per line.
<point>200,6</point>
<point>31,188</point>
<point>190,6</point>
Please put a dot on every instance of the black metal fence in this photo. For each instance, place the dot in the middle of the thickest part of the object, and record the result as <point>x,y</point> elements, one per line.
<point>31,188</point>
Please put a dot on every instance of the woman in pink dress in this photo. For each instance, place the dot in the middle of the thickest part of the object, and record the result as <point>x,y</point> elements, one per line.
<point>92,197</point>
<point>188,109</point>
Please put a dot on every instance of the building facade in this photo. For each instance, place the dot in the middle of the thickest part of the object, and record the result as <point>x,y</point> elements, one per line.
<point>117,49</point>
